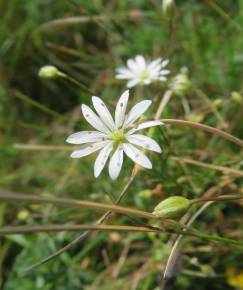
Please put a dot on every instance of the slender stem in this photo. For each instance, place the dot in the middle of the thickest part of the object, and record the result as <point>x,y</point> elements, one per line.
<point>11,230</point>
<point>77,83</point>
<point>215,238</point>
<point>164,101</point>
<point>36,104</point>
<point>83,19</point>
<point>74,202</point>
<point>219,198</point>
<point>223,14</point>
<point>208,165</point>
<point>207,128</point>
<point>41,147</point>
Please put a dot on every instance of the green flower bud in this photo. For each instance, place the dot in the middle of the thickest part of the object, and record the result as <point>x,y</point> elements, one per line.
<point>50,72</point>
<point>195,117</point>
<point>168,7</point>
<point>180,84</point>
<point>145,194</point>
<point>217,103</point>
<point>172,207</point>
<point>23,215</point>
<point>237,97</point>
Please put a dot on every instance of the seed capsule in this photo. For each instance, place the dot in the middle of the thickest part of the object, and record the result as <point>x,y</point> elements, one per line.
<point>172,207</point>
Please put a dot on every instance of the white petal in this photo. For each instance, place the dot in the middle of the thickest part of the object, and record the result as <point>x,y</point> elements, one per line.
<point>93,119</point>
<point>103,112</point>
<point>115,164</point>
<point>164,72</point>
<point>164,63</point>
<point>124,76</point>
<point>85,137</point>
<point>144,142</point>
<point>162,78</point>
<point>145,125</point>
<point>101,159</point>
<point>147,81</point>
<point>88,149</point>
<point>121,109</point>
<point>132,65</point>
<point>137,156</point>
<point>123,73</point>
<point>136,112</point>
<point>141,61</point>
<point>133,82</point>
<point>155,64</point>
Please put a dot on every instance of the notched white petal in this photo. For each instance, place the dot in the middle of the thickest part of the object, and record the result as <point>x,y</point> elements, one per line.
<point>155,64</point>
<point>88,149</point>
<point>121,109</point>
<point>123,73</point>
<point>115,164</point>
<point>103,112</point>
<point>144,142</point>
<point>137,156</point>
<point>133,82</point>
<point>140,61</point>
<point>86,137</point>
<point>164,63</point>
<point>136,112</point>
<point>93,119</point>
<point>102,159</point>
<point>145,125</point>
<point>132,65</point>
<point>164,72</point>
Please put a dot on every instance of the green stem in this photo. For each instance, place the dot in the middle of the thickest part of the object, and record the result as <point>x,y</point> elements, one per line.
<point>218,198</point>
<point>74,202</point>
<point>77,83</point>
<point>12,230</point>
<point>207,128</point>
<point>36,104</point>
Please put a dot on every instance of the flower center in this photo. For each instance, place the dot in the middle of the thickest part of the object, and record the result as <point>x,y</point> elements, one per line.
<point>118,137</point>
<point>144,75</point>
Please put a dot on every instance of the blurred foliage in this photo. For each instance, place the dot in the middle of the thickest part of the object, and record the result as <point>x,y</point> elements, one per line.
<point>206,37</point>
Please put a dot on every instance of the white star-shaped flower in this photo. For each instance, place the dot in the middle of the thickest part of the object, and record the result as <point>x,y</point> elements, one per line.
<point>140,71</point>
<point>115,137</point>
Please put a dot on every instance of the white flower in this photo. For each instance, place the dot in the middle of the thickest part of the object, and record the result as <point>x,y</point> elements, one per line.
<point>140,71</point>
<point>115,137</point>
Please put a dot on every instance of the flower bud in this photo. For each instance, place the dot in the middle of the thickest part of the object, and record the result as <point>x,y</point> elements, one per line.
<point>168,7</point>
<point>145,194</point>
<point>172,207</point>
<point>50,72</point>
<point>23,215</point>
<point>180,84</point>
<point>217,103</point>
<point>237,97</point>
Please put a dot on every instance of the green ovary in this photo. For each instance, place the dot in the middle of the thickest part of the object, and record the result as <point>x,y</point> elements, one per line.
<point>118,137</point>
<point>144,75</point>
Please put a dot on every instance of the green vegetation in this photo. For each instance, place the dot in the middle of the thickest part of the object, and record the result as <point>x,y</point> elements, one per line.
<point>87,40</point>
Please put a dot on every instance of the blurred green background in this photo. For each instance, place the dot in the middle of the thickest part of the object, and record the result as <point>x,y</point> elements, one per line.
<point>206,37</point>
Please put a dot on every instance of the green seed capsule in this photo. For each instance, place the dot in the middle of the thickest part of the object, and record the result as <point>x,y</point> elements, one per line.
<point>172,207</point>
